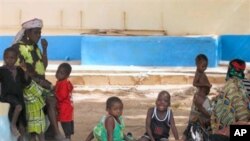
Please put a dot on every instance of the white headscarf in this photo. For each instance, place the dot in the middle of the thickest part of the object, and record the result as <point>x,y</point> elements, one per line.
<point>34,23</point>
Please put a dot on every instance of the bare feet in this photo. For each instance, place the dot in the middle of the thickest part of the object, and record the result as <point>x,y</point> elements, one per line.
<point>14,131</point>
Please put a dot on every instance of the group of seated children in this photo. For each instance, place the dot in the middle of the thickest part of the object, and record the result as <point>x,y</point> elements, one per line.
<point>160,118</point>
<point>159,121</point>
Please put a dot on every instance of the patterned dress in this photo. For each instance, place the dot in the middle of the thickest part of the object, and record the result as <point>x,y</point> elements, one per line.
<point>231,106</point>
<point>34,94</point>
<point>34,108</point>
<point>32,56</point>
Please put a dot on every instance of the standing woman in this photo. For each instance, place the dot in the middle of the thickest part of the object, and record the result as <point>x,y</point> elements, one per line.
<point>35,62</point>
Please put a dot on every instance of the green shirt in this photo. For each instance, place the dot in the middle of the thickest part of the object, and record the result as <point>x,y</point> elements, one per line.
<point>100,131</point>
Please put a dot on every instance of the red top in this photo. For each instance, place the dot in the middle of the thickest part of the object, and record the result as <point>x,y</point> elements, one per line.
<point>64,100</point>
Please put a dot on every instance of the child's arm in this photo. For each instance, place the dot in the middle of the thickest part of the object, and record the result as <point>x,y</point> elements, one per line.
<point>110,125</point>
<point>173,127</point>
<point>90,136</point>
<point>148,123</point>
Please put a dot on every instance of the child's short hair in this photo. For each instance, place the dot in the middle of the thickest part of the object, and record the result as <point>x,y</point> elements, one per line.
<point>164,93</point>
<point>10,49</point>
<point>110,101</point>
<point>200,57</point>
<point>67,67</point>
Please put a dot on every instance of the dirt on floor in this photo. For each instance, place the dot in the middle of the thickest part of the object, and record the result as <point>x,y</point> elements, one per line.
<point>90,106</point>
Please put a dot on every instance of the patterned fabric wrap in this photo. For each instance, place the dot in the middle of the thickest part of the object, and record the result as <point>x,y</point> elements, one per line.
<point>100,131</point>
<point>33,97</point>
<point>34,103</point>
<point>231,106</point>
<point>36,122</point>
<point>236,69</point>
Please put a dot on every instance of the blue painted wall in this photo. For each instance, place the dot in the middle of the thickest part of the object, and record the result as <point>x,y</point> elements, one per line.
<point>147,50</point>
<point>59,47</point>
<point>235,46</point>
<point>143,50</point>
<point>5,41</point>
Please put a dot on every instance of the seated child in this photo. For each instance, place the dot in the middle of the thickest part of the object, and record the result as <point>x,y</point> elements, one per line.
<point>111,126</point>
<point>160,120</point>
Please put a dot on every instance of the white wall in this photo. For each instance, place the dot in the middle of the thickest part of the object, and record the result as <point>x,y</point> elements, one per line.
<point>177,17</point>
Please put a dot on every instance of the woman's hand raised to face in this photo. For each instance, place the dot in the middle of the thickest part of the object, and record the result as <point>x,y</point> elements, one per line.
<point>44,44</point>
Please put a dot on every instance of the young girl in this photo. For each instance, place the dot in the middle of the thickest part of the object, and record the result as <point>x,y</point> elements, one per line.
<point>159,120</point>
<point>13,80</point>
<point>63,92</point>
<point>111,126</point>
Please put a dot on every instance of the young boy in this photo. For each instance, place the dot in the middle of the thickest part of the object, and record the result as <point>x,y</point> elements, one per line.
<point>200,78</point>
<point>63,90</point>
<point>160,120</point>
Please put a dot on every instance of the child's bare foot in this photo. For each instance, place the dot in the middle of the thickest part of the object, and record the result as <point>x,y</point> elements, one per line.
<point>14,131</point>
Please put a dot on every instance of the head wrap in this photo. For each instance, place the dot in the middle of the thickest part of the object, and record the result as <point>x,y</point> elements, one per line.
<point>236,68</point>
<point>34,23</point>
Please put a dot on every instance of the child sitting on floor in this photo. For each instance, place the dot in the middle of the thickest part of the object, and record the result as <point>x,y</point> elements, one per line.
<point>111,126</point>
<point>160,120</point>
